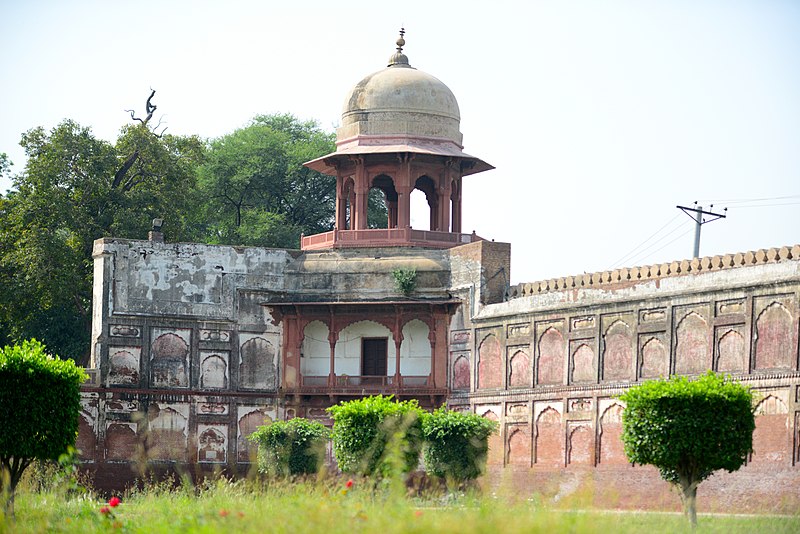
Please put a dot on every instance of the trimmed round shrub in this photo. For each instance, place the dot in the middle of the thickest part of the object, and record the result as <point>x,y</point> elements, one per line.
<point>294,447</point>
<point>456,444</point>
<point>40,400</point>
<point>377,435</point>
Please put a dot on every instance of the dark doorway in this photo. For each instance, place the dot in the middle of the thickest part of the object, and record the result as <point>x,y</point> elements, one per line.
<point>373,356</point>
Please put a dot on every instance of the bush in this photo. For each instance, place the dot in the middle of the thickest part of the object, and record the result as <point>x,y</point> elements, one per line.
<point>688,429</point>
<point>40,397</point>
<point>456,444</point>
<point>294,447</point>
<point>377,435</point>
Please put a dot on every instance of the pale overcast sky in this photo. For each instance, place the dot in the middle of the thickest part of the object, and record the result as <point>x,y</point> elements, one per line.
<point>600,117</point>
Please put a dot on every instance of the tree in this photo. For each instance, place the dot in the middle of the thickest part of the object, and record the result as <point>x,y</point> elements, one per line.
<point>258,191</point>
<point>40,396</point>
<point>377,435</point>
<point>456,444</point>
<point>688,429</point>
<point>74,189</point>
<point>293,447</point>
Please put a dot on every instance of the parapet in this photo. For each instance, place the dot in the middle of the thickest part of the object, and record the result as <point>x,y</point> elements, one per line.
<point>631,275</point>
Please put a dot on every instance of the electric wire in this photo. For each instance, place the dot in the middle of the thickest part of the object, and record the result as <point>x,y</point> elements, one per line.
<point>651,236</point>
<point>644,252</point>
<point>666,245</point>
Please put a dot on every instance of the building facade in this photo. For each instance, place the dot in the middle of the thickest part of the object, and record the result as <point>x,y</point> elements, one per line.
<point>194,346</point>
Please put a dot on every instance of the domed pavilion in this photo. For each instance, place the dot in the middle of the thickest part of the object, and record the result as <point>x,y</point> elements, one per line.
<point>400,132</point>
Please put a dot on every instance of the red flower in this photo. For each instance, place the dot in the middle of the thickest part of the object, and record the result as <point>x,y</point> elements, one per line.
<point>223,513</point>
<point>105,510</point>
<point>349,484</point>
<point>114,501</point>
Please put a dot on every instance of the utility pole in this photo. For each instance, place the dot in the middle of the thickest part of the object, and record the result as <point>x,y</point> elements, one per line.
<point>700,221</point>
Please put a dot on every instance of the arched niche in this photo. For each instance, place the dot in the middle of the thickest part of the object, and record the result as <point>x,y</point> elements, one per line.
<point>490,363</point>
<point>550,363</point>
<point>617,352</point>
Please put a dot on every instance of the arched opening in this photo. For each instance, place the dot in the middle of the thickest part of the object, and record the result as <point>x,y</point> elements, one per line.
<point>424,214</point>
<point>382,195</point>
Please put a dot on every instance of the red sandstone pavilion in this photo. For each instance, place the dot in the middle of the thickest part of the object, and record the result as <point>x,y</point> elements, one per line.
<point>194,346</point>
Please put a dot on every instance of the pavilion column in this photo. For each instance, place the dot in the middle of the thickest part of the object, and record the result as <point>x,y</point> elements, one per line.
<point>359,211</point>
<point>457,206</point>
<point>333,337</point>
<point>404,188</point>
<point>432,340</point>
<point>341,203</point>
<point>391,208</point>
<point>398,341</point>
<point>444,201</point>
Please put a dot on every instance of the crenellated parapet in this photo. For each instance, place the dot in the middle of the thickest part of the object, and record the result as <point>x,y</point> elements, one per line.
<point>629,275</point>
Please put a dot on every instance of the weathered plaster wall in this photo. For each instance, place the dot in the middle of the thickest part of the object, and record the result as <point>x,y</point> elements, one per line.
<point>548,366</point>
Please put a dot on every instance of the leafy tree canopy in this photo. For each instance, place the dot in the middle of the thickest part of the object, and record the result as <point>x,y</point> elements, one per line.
<point>74,189</point>
<point>256,188</point>
<point>688,429</point>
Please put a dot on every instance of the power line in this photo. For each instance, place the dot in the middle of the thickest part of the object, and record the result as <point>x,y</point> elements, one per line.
<point>765,205</point>
<point>651,236</point>
<point>740,200</point>
<point>655,243</point>
<point>667,244</point>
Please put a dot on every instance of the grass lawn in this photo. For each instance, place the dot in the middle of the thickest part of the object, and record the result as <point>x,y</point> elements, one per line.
<point>329,507</point>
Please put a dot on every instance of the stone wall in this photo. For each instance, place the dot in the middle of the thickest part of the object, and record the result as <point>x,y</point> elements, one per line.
<point>549,363</point>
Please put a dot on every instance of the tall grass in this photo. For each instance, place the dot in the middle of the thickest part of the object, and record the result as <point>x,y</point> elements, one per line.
<point>328,505</point>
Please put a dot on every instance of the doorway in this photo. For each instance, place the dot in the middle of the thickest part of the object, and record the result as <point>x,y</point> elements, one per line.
<point>374,352</point>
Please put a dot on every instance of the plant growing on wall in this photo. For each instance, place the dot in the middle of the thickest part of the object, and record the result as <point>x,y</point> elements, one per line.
<point>688,429</point>
<point>364,431</point>
<point>40,397</point>
<point>456,444</point>
<point>294,447</point>
<point>405,280</point>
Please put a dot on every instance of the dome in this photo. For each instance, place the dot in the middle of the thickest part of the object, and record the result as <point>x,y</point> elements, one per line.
<point>399,110</point>
<point>400,101</point>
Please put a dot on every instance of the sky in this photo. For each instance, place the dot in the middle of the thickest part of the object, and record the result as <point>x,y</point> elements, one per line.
<point>600,117</point>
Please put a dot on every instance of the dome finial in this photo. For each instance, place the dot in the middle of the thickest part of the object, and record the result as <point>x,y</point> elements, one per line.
<point>399,59</point>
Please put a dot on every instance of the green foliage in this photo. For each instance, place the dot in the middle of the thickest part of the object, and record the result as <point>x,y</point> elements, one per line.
<point>366,430</point>
<point>40,396</point>
<point>258,191</point>
<point>688,428</point>
<point>405,280</point>
<point>250,507</point>
<point>456,444</point>
<point>76,188</point>
<point>294,447</point>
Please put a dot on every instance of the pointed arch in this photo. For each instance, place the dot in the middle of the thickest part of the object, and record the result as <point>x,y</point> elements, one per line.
<point>731,353</point>
<point>519,370</point>
<point>655,359</point>
<point>774,339</point>
<point>550,362</point>
<point>519,446</point>
<point>582,368</point>
<point>490,363</point>
<point>617,351</point>
<point>580,449</point>
<point>549,439</point>
<point>771,438</point>
<point>691,346</point>
<point>461,373</point>
<point>612,451</point>
<point>257,368</point>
